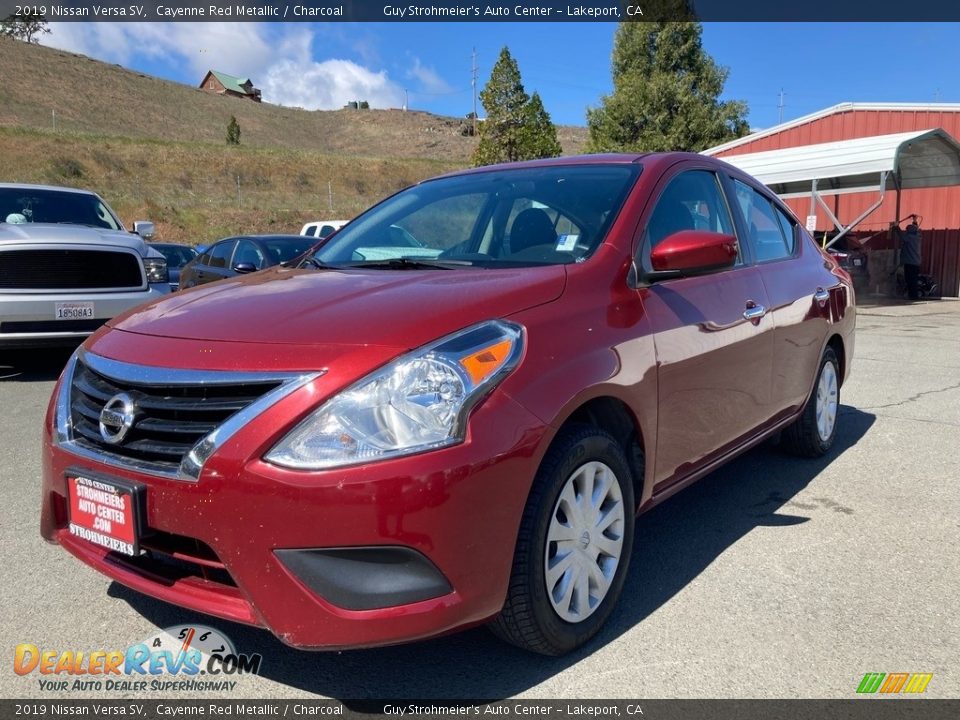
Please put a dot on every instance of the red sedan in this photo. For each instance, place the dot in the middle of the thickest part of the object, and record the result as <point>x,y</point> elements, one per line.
<point>452,412</point>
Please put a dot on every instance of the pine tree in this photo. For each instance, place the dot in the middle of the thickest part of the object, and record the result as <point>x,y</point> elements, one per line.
<point>502,133</point>
<point>666,92</point>
<point>233,131</point>
<point>542,139</point>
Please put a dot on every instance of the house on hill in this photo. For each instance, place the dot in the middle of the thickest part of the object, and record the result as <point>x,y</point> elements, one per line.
<point>223,84</point>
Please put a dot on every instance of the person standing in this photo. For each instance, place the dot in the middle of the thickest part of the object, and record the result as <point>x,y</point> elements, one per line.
<point>910,257</point>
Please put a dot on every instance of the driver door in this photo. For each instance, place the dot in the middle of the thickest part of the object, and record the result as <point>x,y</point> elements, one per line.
<point>713,342</point>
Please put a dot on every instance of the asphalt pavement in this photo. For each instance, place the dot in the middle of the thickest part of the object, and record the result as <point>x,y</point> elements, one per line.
<point>772,577</point>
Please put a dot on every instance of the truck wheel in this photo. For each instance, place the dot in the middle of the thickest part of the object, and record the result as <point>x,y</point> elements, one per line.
<point>574,545</point>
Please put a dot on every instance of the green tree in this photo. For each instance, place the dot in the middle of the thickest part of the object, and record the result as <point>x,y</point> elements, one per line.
<point>233,131</point>
<point>542,140</point>
<point>28,29</point>
<point>666,91</point>
<point>517,126</point>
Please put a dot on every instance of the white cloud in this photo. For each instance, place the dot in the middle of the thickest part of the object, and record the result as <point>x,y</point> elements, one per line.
<point>328,85</point>
<point>279,60</point>
<point>429,79</point>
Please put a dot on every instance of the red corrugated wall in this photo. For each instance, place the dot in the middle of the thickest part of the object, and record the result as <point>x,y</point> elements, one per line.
<point>939,207</point>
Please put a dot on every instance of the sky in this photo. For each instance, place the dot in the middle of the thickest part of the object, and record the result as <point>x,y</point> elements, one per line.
<point>428,65</point>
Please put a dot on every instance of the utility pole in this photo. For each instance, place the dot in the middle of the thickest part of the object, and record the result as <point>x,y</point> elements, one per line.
<point>780,106</point>
<point>473,84</point>
<point>406,99</point>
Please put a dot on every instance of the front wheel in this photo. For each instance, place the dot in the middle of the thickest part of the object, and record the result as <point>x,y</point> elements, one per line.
<point>574,545</point>
<point>812,434</point>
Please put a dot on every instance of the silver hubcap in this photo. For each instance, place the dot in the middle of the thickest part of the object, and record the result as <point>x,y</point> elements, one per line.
<point>827,401</point>
<point>584,541</point>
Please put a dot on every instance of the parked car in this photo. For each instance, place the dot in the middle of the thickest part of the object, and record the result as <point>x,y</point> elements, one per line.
<point>365,452</point>
<point>67,265</point>
<point>240,255</point>
<point>177,256</point>
<point>322,228</point>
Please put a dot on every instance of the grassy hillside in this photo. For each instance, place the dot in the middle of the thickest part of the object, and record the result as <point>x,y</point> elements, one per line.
<point>156,149</point>
<point>190,189</point>
<point>89,96</point>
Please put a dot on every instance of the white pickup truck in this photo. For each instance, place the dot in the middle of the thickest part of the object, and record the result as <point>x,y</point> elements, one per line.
<point>67,265</point>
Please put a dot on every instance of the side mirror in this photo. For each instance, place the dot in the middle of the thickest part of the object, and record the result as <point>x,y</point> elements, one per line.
<point>691,252</point>
<point>244,267</point>
<point>144,228</point>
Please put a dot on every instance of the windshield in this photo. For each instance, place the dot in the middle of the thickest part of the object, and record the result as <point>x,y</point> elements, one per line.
<point>29,205</point>
<point>504,218</point>
<point>176,255</point>
<point>285,248</point>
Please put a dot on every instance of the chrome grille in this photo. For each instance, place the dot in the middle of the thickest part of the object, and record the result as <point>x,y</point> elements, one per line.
<point>181,417</point>
<point>69,269</point>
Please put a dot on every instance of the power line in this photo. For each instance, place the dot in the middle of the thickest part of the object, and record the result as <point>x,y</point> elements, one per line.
<point>473,84</point>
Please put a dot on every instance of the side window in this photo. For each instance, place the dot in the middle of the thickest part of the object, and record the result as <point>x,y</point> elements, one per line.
<point>766,231</point>
<point>220,254</point>
<point>789,229</point>
<point>326,230</point>
<point>204,259</point>
<point>692,201</point>
<point>311,231</point>
<point>248,252</point>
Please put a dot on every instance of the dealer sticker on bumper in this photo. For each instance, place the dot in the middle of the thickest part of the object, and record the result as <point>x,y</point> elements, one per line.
<point>104,513</point>
<point>74,311</point>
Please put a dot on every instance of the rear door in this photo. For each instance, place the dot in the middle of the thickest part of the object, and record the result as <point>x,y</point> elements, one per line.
<point>713,340</point>
<point>799,289</point>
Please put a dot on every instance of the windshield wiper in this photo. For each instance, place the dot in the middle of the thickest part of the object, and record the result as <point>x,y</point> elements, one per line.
<point>406,263</point>
<point>313,261</point>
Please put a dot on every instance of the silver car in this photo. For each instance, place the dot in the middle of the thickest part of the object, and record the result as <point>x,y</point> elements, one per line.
<point>67,265</point>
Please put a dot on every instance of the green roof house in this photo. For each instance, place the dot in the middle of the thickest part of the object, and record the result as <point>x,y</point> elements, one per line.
<point>223,84</point>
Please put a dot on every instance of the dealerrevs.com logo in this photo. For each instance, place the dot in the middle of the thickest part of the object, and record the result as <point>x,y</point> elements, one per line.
<point>182,658</point>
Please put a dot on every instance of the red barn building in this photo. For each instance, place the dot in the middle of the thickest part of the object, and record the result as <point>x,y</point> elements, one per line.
<point>939,207</point>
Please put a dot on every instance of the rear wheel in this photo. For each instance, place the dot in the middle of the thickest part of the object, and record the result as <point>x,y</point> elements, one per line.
<point>574,545</point>
<point>812,434</point>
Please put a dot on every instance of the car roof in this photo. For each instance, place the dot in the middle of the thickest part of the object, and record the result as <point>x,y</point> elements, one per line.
<point>55,188</point>
<point>285,236</point>
<point>666,158</point>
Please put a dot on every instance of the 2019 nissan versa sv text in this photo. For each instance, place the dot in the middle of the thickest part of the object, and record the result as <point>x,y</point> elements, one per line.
<point>396,440</point>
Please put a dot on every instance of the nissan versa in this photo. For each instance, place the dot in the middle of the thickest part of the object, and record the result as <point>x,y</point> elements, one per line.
<point>451,412</point>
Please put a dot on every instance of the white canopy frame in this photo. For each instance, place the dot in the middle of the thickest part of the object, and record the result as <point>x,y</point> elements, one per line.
<point>918,159</point>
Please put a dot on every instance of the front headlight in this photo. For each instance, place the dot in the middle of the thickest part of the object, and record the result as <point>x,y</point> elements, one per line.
<point>419,402</point>
<point>156,269</point>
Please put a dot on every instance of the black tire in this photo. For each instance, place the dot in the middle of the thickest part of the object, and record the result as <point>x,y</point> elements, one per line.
<point>803,436</point>
<point>528,619</point>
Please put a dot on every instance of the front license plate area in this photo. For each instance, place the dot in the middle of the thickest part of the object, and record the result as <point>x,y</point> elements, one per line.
<point>74,311</point>
<point>106,512</point>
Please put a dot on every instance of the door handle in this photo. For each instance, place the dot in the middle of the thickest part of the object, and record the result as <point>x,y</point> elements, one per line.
<point>821,295</point>
<point>754,311</point>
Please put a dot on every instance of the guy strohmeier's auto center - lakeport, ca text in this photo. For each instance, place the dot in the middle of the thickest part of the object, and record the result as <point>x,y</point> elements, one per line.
<point>292,11</point>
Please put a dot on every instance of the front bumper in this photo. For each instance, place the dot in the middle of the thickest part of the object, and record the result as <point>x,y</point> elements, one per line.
<point>28,319</point>
<point>231,534</point>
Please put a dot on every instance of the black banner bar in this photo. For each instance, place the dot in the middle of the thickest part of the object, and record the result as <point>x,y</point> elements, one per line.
<point>470,11</point>
<point>866,708</point>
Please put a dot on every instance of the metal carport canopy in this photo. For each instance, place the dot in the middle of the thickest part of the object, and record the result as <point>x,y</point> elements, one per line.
<point>918,159</point>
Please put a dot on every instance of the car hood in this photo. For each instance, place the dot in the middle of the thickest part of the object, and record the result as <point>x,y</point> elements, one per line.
<point>49,233</point>
<point>395,308</point>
